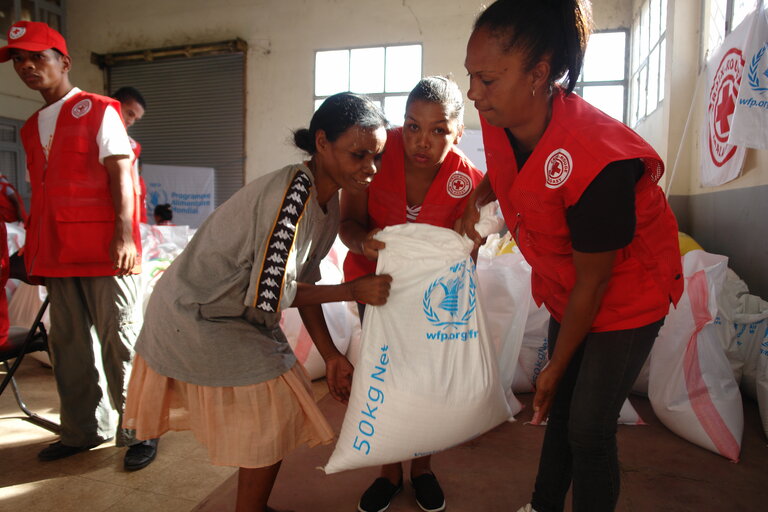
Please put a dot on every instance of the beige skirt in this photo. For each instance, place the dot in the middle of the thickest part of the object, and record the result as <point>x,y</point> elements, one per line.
<point>251,426</point>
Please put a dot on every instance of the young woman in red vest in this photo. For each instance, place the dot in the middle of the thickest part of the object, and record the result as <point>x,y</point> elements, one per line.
<point>579,192</point>
<point>424,178</point>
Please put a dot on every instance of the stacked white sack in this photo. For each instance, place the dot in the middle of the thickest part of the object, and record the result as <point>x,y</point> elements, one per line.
<point>340,317</point>
<point>691,385</point>
<point>518,327</point>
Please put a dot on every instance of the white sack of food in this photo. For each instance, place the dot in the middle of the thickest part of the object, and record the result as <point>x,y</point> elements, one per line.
<point>427,377</point>
<point>750,323</point>
<point>691,385</point>
<point>728,299</point>
<point>340,324</point>
<point>762,381</point>
<point>534,353</point>
<point>505,292</point>
<point>160,245</point>
<point>629,415</point>
<point>343,325</point>
<point>751,349</point>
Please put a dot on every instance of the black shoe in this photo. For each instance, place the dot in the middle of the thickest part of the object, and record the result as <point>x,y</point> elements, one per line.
<point>429,495</point>
<point>378,496</point>
<point>140,455</point>
<point>57,450</point>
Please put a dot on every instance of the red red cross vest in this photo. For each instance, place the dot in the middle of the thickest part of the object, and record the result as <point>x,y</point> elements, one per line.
<point>8,213</point>
<point>72,218</point>
<point>443,204</point>
<point>577,144</point>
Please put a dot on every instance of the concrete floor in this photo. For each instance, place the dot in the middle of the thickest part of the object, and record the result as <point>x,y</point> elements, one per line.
<point>494,473</point>
<point>92,481</point>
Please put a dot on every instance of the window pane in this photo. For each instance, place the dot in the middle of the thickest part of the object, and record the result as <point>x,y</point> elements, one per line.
<point>366,69</point>
<point>8,164</point>
<point>662,67</point>
<point>27,10</point>
<point>6,17</point>
<point>604,59</point>
<point>741,8</point>
<point>663,20</point>
<point>403,68</point>
<point>7,134</point>
<point>644,32</point>
<point>716,27</point>
<point>635,46</point>
<point>331,72</point>
<point>51,18</point>
<point>653,80</point>
<point>394,109</point>
<point>643,93</point>
<point>653,22</point>
<point>608,98</point>
<point>633,102</point>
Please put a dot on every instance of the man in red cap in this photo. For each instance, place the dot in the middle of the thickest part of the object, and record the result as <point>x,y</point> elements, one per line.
<point>83,238</point>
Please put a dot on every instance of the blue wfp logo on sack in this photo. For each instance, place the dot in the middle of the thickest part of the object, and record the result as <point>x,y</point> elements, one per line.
<point>443,305</point>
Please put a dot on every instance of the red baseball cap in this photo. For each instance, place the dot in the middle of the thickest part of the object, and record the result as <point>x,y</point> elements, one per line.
<point>33,36</point>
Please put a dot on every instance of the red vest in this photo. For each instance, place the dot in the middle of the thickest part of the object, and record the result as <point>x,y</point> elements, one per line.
<point>577,144</point>
<point>443,204</point>
<point>8,213</point>
<point>72,218</point>
<point>142,200</point>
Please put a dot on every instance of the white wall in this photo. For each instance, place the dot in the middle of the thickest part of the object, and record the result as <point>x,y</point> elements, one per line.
<point>282,36</point>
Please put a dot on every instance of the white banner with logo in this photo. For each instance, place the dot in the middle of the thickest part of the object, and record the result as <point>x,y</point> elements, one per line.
<point>721,162</point>
<point>189,191</point>
<point>750,119</point>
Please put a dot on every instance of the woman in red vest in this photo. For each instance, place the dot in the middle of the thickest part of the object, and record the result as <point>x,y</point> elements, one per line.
<point>423,177</point>
<point>579,193</point>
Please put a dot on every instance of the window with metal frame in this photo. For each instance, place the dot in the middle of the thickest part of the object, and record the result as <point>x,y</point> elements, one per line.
<point>12,160</point>
<point>603,80</point>
<point>720,18</point>
<point>48,11</point>
<point>386,74</point>
<point>648,58</point>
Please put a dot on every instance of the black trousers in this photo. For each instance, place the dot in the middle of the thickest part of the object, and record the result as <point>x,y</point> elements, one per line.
<point>580,440</point>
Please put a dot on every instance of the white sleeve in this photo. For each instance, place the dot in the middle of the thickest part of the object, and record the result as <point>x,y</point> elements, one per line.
<point>112,137</point>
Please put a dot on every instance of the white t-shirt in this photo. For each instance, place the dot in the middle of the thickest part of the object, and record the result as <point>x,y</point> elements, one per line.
<point>112,138</point>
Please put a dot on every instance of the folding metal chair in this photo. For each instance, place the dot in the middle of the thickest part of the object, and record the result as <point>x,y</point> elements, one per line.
<point>21,342</point>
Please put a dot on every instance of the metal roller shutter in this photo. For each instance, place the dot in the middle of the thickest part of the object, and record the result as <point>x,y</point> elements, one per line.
<point>195,114</point>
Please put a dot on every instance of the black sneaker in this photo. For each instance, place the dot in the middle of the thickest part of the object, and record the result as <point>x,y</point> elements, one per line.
<point>379,495</point>
<point>429,495</point>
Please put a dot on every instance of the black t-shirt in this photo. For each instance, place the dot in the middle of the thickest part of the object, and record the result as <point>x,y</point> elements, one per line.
<point>603,219</point>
